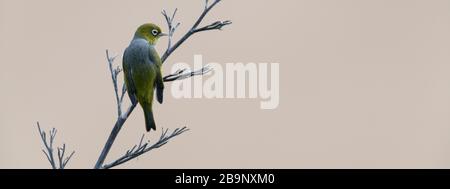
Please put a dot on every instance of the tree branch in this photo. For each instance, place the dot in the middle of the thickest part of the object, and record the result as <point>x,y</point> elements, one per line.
<point>181,74</point>
<point>142,148</point>
<point>114,73</point>
<point>184,74</point>
<point>194,29</point>
<point>48,151</point>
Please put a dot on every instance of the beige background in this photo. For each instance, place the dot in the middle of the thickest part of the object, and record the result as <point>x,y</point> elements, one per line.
<point>364,83</point>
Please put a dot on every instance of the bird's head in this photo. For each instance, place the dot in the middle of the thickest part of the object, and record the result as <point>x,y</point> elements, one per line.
<point>149,32</point>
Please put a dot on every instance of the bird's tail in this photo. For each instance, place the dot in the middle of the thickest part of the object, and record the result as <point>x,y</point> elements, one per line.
<point>149,120</point>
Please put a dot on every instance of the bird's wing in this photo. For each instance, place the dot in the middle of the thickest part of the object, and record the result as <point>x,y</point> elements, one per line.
<point>159,81</point>
<point>128,72</point>
<point>159,86</point>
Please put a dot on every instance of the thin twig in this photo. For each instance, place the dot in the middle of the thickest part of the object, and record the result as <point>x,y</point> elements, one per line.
<point>194,29</point>
<point>143,148</point>
<point>172,28</point>
<point>183,74</point>
<point>68,159</point>
<point>48,151</point>
<point>114,73</point>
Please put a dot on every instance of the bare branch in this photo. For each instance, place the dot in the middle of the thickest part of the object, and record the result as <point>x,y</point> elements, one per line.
<point>114,73</point>
<point>61,155</point>
<point>144,148</point>
<point>194,29</point>
<point>214,26</point>
<point>124,90</point>
<point>171,26</point>
<point>48,151</point>
<point>67,159</point>
<point>112,137</point>
<point>184,74</point>
<point>204,13</point>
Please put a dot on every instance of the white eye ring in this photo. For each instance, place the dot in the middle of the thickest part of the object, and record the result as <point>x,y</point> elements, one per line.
<point>155,32</point>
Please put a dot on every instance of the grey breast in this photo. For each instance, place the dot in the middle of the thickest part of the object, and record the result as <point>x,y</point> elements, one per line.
<point>138,52</point>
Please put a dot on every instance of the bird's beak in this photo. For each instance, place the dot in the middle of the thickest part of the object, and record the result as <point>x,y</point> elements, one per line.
<point>163,34</point>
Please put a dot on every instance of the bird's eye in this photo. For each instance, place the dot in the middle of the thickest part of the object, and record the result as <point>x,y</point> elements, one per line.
<point>155,32</point>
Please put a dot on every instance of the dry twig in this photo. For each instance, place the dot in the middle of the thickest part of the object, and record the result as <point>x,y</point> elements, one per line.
<point>62,161</point>
<point>143,148</point>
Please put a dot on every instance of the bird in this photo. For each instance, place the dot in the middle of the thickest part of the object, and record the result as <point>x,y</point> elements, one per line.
<point>142,70</point>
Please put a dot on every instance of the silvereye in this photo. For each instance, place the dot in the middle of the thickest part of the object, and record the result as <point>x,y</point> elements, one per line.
<point>142,68</point>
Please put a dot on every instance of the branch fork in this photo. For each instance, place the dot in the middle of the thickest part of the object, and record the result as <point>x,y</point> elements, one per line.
<point>62,160</point>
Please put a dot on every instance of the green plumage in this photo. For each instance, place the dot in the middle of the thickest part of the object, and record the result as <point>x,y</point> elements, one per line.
<point>142,68</point>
